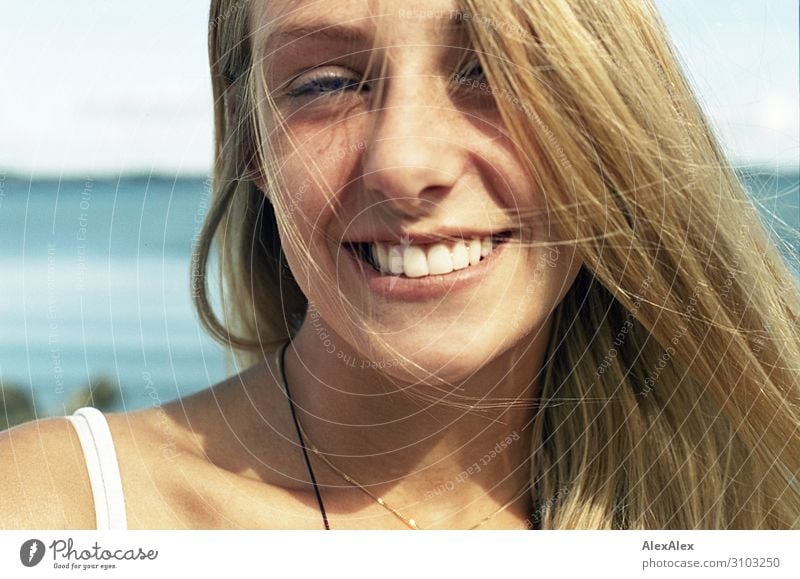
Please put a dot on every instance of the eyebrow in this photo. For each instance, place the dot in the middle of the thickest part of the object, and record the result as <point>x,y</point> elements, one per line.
<point>339,32</point>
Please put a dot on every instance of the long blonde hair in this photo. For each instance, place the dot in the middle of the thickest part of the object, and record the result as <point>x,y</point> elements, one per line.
<point>670,395</point>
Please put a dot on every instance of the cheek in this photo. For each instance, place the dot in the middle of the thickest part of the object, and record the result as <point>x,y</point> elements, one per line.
<point>312,180</point>
<point>303,193</point>
<point>551,274</point>
<point>318,164</point>
<point>536,283</point>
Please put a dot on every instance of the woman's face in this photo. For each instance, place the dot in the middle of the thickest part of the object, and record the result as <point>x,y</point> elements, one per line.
<point>393,168</point>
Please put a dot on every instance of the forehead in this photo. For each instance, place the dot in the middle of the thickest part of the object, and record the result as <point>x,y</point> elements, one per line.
<point>379,22</point>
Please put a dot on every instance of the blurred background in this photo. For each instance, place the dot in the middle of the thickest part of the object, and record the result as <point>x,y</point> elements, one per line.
<point>105,155</point>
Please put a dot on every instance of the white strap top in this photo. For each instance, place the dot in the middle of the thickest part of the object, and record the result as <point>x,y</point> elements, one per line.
<point>101,462</point>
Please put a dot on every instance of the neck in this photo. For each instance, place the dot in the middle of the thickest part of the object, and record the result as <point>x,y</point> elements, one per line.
<point>449,461</point>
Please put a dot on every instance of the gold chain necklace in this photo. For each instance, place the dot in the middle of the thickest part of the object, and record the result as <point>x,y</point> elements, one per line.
<point>411,523</point>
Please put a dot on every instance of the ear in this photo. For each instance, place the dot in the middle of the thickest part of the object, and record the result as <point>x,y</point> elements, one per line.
<point>253,169</point>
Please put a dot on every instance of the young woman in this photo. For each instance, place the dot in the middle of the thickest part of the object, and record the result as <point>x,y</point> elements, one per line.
<point>485,266</point>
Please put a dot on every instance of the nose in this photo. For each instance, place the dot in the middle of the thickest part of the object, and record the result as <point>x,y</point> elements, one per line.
<point>412,154</point>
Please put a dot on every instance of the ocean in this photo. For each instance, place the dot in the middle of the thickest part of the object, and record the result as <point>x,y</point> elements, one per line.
<point>95,284</point>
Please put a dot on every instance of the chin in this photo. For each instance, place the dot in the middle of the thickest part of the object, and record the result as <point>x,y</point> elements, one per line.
<point>442,358</point>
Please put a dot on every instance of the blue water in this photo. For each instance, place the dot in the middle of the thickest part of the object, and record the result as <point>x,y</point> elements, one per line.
<point>95,282</point>
<point>777,197</point>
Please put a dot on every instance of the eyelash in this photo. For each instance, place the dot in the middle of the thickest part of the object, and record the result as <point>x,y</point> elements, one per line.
<point>472,67</point>
<point>322,80</point>
<point>316,85</point>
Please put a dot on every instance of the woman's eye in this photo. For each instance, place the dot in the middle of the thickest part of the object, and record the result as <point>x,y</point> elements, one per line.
<point>474,70</point>
<point>319,83</point>
<point>470,83</point>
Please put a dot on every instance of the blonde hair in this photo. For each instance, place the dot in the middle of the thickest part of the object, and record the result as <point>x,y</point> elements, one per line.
<point>670,395</point>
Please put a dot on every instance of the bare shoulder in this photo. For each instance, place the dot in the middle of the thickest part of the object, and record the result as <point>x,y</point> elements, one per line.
<point>223,458</point>
<point>45,482</point>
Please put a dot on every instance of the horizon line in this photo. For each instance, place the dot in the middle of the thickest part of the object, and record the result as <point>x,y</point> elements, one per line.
<point>757,167</point>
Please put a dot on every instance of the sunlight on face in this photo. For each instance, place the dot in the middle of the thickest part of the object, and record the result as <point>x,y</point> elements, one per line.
<point>401,181</point>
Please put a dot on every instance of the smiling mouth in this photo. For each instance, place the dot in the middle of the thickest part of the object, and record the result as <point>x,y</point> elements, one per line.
<point>421,260</point>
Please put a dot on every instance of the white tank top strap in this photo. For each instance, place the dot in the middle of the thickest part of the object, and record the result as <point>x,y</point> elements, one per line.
<point>101,462</point>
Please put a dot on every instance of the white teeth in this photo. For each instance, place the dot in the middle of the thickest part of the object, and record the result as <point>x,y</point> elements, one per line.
<point>419,260</point>
<point>395,259</point>
<point>460,255</point>
<point>474,250</point>
<point>415,263</point>
<point>382,257</point>
<point>439,260</point>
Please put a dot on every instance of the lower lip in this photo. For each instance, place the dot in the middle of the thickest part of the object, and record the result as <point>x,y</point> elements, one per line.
<point>400,287</point>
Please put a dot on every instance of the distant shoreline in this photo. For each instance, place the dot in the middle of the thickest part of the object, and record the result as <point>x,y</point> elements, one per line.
<point>103,178</point>
<point>161,177</point>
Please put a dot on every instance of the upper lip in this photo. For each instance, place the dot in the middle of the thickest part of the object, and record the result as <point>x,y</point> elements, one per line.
<point>423,236</point>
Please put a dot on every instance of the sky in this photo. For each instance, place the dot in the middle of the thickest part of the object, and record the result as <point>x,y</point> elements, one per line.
<point>97,87</point>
